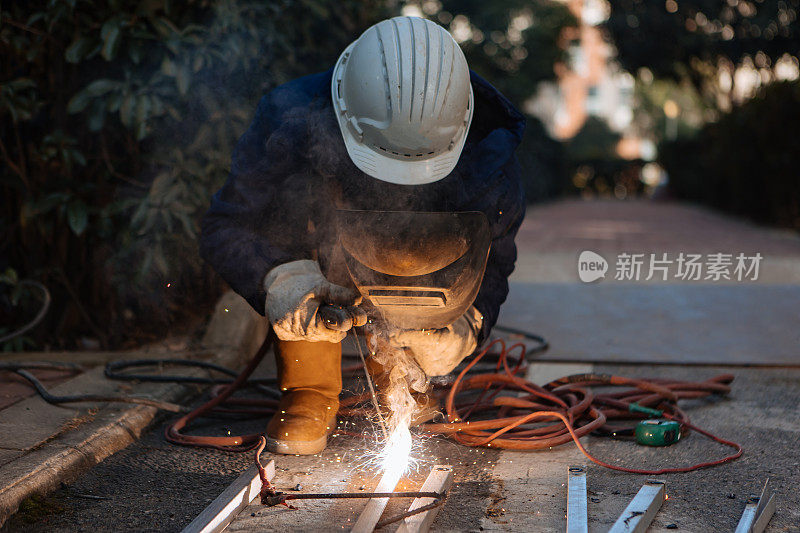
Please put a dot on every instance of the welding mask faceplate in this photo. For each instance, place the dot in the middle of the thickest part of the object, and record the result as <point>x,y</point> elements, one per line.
<point>418,270</point>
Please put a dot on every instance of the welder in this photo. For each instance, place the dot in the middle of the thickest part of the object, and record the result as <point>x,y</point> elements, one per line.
<point>386,186</point>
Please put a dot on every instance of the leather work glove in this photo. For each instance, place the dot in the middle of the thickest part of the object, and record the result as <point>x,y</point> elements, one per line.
<point>295,292</point>
<point>438,351</point>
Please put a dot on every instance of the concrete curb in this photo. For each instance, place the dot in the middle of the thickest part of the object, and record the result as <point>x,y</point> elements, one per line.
<point>41,473</point>
<point>233,333</point>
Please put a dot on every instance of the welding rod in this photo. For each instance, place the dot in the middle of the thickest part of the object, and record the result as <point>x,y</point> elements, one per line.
<point>278,499</point>
<point>409,514</point>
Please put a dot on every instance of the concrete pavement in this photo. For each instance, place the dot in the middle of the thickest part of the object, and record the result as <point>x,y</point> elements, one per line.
<point>553,235</point>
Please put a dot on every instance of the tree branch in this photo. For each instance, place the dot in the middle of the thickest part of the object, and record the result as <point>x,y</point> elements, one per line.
<point>21,148</point>
<point>34,31</point>
<point>112,170</point>
<point>13,166</point>
<point>22,26</point>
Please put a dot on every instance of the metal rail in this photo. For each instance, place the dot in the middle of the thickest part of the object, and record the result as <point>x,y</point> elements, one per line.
<point>638,515</point>
<point>221,512</point>
<point>577,514</point>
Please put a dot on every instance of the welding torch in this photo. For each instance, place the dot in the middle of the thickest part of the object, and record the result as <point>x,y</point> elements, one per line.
<point>342,318</point>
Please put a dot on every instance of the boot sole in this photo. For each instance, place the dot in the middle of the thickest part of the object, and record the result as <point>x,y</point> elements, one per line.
<point>300,447</point>
<point>297,447</point>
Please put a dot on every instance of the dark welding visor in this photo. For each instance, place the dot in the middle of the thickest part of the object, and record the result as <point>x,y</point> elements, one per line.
<point>418,270</point>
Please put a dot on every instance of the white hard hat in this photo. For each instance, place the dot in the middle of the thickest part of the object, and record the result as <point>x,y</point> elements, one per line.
<point>403,99</point>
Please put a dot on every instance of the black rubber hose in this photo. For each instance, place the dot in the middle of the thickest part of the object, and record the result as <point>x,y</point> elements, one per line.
<point>542,344</point>
<point>39,316</point>
<point>57,400</point>
<point>113,371</point>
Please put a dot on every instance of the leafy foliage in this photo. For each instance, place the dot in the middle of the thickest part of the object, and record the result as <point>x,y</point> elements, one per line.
<point>740,157</point>
<point>595,140</point>
<point>595,166</point>
<point>117,121</point>
<point>746,163</point>
<point>693,39</point>
<point>652,96</point>
<point>514,43</point>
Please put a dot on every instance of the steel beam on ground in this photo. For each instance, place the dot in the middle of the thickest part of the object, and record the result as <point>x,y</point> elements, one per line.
<point>638,515</point>
<point>758,511</point>
<point>439,480</point>
<point>577,514</point>
<point>231,502</point>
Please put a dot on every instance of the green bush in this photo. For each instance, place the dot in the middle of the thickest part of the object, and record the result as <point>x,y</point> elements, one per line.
<point>747,163</point>
<point>117,121</point>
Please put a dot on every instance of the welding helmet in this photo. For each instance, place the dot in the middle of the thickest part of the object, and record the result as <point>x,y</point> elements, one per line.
<point>415,270</point>
<point>403,100</point>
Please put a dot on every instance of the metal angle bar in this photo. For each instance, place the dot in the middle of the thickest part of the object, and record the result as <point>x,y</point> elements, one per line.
<point>638,515</point>
<point>758,511</point>
<point>577,514</point>
<point>766,515</point>
<point>375,506</point>
<point>439,480</point>
<point>221,512</point>
<point>766,493</point>
<point>745,524</point>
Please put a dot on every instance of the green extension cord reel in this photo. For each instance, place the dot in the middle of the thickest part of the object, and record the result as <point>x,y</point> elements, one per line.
<point>657,432</point>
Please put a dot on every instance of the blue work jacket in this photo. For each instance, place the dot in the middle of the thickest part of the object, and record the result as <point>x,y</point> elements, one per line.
<point>290,168</point>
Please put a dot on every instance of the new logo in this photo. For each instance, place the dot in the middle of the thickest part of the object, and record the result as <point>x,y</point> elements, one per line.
<point>591,266</point>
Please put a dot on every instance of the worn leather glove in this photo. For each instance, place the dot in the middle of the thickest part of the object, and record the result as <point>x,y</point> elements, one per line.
<point>438,351</point>
<point>295,291</point>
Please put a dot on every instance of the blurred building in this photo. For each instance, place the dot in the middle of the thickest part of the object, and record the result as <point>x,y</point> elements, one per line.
<point>591,84</point>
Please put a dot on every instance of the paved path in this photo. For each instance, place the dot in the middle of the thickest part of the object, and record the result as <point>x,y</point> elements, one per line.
<point>553,235</point>
<point>45,446</point>
<point>665,319</point>
<point>751,324</point>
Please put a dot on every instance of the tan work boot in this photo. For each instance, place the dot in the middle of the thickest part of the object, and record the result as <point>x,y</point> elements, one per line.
<point>310,377</point>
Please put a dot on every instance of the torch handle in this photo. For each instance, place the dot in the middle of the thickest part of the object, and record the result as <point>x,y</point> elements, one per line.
<point>335,318</point>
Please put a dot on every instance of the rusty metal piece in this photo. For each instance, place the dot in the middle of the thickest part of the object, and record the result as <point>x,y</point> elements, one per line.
<point>280,497</point>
